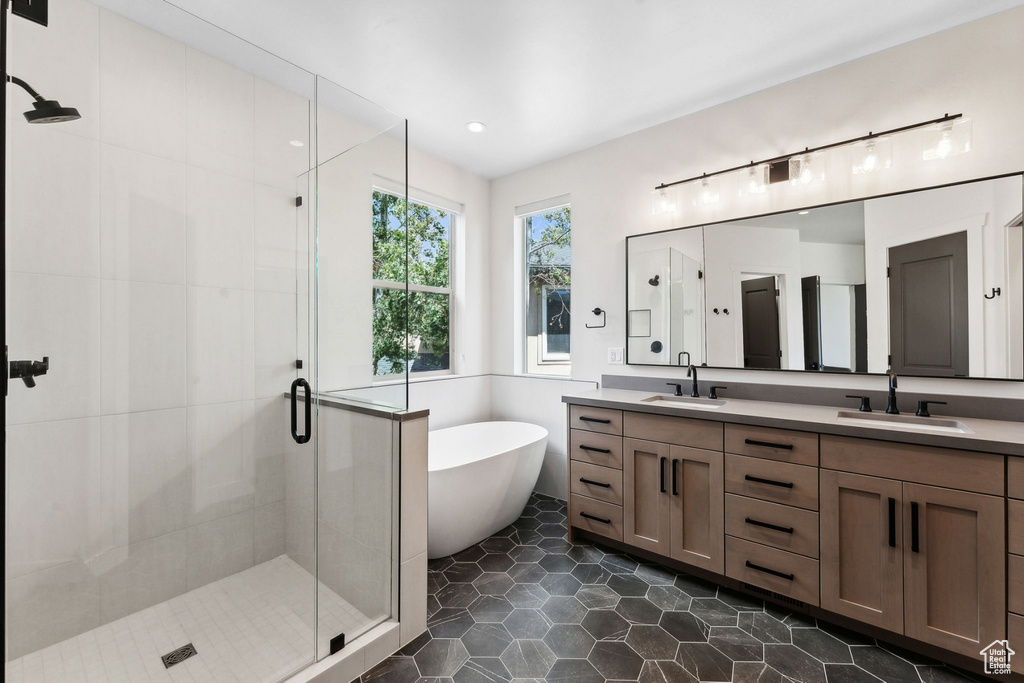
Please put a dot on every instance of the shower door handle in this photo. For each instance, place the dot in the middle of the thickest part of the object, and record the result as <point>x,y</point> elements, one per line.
<point>304,437</point>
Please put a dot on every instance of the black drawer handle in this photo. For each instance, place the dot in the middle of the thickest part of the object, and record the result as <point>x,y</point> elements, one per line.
<point>892,522</point>
<point>770,482</point>
<point>595,450</point>
<point>662,468</point>
<point>599,420</point>
<point>591,482</point>
<point>759,568</point>
<point>675,477</point>
<point>769,444</point>
<point>596,519</point>
<point>915,540</point>
<point>766,525</point>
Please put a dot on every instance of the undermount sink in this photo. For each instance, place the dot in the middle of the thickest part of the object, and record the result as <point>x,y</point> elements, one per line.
<point>924,424</point>
<point>685,402</point>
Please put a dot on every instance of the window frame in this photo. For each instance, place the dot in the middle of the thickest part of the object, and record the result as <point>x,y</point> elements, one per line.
<point>523,214</point>
<point>455,215</point>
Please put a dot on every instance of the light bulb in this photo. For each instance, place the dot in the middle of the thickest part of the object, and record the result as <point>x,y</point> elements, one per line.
<point>663,202</point>
<point>870,162</point>
<point>707,195</point>
<point>805,170</point>
<point>945,146</point>
<point>756,184</point>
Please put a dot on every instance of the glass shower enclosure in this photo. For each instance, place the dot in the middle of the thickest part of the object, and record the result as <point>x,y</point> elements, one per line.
<point>189,254</point>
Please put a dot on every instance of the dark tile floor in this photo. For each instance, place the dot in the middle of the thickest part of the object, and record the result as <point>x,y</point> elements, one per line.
<point>527,605</point>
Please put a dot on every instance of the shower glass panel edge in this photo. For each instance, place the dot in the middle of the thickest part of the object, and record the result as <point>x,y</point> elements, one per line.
<point>360,148</point>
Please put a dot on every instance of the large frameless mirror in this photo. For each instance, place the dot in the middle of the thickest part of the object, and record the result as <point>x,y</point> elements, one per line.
<point>927,283</point>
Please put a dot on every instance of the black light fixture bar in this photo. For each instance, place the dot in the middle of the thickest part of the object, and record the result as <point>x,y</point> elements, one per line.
<point>811,150</point>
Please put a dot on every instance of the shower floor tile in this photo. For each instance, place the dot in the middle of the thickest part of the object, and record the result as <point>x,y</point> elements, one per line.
<point>526,604</point>
<point>250,627</point>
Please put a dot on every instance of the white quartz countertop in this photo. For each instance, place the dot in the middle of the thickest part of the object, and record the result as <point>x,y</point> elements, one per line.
<point>990,436</point>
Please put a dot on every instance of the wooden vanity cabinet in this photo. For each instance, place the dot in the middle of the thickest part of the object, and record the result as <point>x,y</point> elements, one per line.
<point>950,544</point>
<point>954,568</point>
<point>862,548</point>
<point>646,506</point>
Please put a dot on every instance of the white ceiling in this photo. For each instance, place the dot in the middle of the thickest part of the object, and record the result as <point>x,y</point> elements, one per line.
<point>550,77</point>
<point>836,224</point>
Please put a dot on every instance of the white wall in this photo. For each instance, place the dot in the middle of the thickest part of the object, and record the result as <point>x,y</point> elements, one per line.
<point>969,69</point>
<point>836,264</point>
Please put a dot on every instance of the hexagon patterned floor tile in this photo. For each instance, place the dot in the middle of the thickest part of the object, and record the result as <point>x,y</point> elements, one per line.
<point>527,605</point>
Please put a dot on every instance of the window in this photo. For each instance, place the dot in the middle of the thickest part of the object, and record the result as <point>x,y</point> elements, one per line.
<point>426,347</point>
<point>547,237</point>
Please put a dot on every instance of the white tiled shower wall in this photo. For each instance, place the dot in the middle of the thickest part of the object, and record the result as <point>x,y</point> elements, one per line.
<point>151,256</point>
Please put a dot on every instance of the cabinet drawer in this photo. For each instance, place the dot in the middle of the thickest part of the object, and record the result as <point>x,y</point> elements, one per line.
<point>601,420</point>
<point>1015,526</point>
<point>1015,474</point>
<point>598,449</point>
<point>681,431</point>
<point>1015,602</point>
<point>595,516</point>
<point>946,467</point>
<point>786,445</point>
<point>777,482</point>
<point>779,526</point>
<point>776,570</point>
<point>594,481</point>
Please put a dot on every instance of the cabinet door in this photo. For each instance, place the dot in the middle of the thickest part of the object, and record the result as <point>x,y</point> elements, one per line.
<point>697,527</point>
<point>862,548</point>
<point>954,568</point>
<point>646,505</point>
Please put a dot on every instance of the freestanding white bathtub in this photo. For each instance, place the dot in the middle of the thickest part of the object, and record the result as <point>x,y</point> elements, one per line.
<point>480,478</point>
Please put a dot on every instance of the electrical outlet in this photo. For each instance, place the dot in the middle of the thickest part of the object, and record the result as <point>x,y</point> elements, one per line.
<point>615,356</point>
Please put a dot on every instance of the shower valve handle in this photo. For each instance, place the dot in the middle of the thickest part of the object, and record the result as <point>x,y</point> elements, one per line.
<point>28,370</point>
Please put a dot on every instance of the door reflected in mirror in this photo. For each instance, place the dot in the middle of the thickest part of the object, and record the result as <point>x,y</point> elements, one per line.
<point>905,281</point>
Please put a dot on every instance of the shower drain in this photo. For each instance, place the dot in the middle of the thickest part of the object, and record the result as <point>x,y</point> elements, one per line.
<point>178,656</point>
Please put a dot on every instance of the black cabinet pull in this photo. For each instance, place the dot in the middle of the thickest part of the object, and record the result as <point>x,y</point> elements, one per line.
<point>301,438</point>
<point>663,459</point>
<point>591,482</point>
<point>759,568</point>
<point>675,477</point>
<point>595,450</point>
<point>770,482</point>
<point>766,525</point>
<point>915,541</point>
<point>599,420</point>
<point>596,519</point>
<point>769,444</point>
<point>892,522</point>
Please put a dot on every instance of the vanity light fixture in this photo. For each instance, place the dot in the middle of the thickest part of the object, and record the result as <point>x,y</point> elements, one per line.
<point>947,139</point>
<point>475,127</point>
<point>944,137</point>
<point>664,201</point>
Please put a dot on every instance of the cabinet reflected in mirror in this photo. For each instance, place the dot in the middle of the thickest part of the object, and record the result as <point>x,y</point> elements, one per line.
<point>928,283</point>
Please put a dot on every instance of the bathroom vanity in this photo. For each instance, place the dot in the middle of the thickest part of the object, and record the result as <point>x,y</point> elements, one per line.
<point>908,528</point>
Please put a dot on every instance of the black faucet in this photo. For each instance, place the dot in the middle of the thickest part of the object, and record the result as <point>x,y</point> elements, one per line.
<point>28,370</point>
<point>891,408</point>
<point>692,372</point>
<point>678,388</point>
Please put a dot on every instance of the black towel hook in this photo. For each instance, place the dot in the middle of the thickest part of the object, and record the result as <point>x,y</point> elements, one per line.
<point>996,291</point>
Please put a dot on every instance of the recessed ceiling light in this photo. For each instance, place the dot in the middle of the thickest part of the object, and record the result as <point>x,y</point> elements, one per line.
<point>297,143</point>
<point>804,213</point>
<point>475,127</point>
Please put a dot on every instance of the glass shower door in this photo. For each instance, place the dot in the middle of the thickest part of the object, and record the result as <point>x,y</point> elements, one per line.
<point>360,149</point>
